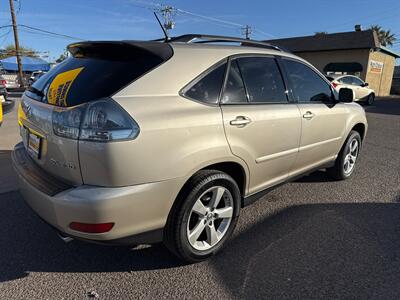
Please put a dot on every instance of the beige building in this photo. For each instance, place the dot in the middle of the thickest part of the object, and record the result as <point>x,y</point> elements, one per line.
<point>357,53</point>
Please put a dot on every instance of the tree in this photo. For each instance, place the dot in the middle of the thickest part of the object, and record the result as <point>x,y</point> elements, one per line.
<point>321,33</point>
<point>386,37</point>
<point>9,50</point>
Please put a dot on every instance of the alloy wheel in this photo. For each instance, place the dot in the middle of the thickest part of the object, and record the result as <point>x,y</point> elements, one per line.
<point>351,157</point>
<point>210,218</point>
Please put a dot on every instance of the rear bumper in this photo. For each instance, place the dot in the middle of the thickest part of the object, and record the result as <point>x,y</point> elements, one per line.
<point>139,212</point>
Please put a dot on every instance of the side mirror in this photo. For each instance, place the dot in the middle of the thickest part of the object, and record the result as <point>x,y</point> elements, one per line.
<point>365,84</point>
<point>346,95</point>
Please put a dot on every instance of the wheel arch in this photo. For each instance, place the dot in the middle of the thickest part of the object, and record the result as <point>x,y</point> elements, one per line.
<point>360,128</point>
<point>236,170</point>
<point>233,169</point>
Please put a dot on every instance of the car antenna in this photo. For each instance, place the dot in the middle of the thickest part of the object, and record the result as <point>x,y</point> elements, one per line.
<point>162,27</point>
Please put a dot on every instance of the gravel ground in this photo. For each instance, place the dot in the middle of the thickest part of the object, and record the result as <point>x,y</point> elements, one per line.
<point>311,238</point>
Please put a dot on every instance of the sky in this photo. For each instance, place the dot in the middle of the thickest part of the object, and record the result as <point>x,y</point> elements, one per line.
<point>133,19</point>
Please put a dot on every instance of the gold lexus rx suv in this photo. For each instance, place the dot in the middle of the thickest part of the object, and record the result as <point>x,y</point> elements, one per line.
<point>137,142</point>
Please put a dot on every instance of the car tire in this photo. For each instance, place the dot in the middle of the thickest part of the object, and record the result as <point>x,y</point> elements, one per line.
<point>346,161</point>
<point>197,228</point>
<point>370,99</point>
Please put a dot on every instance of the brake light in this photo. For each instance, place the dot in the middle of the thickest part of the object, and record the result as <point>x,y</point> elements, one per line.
<point>334,84</point>
<point>91,228</point>
<point>3,82</point>
<point>100,121</point>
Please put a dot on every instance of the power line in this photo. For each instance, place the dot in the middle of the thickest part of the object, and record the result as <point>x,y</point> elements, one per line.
<point>158,7</point>
<point>7,33</point>
<point>210,18</point>
<point>5,26</point>
<point>5,37</point>
<point>25,30</point>
<point>51,33</point>
<point>19,7</point>
<point>264,33</point>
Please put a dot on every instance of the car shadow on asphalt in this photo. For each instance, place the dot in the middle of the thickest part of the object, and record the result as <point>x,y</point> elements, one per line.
<point>387,106</point>
<point>28,244</point>
<point>317,251</point>
<point>317,176</point>
<point>310,251</point>
<point>8,178</point>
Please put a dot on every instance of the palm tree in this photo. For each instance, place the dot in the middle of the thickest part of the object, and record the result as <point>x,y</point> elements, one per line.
<point>386,37</point>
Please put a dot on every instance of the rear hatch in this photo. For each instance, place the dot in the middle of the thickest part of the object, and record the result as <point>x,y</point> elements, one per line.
<point>95,70</point>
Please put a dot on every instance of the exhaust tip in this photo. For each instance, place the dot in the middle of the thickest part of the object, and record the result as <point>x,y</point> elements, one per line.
<point>65,238</point>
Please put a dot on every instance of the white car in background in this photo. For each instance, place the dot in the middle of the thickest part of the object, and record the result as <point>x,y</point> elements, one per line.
<point>11,81</point>
<point>360,88</point>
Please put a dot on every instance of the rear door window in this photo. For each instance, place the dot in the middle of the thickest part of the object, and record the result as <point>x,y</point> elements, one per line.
<point>207,89</point>
<point>235,91</point>
<point>95,72</point>
<point>263,80</point>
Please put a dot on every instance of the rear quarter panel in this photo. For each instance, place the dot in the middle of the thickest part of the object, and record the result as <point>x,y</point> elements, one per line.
<point>177,137</point>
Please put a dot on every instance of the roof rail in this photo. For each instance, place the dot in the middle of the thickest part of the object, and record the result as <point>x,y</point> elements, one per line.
<point>205,38</point>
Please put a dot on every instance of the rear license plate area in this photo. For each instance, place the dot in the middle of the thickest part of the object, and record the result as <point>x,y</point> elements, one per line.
<point>32,142</point>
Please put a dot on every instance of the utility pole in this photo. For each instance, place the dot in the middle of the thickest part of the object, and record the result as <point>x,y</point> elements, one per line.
<point>14,25</point>
<point>168,13</point>
<point>247,31</point>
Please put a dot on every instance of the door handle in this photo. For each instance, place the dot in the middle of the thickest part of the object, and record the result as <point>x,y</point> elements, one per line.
<point>240,121</point>
<point>308,115</point>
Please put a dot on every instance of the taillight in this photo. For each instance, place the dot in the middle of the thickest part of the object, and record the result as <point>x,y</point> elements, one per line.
<point>67,121</point>
<point>3,82</point>
<point>105,120</point>
<point>99,121</point>
<point>334,84</point>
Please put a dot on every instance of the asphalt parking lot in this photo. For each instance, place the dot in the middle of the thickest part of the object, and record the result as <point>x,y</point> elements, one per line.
<point>311,238</point>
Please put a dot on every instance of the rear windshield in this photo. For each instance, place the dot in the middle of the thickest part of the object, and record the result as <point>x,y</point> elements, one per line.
<point>95,71</point>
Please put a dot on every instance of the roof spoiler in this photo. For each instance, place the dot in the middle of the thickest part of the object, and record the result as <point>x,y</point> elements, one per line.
<point>119,50</point>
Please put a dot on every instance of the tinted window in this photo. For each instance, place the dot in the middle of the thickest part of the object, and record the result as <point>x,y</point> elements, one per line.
<point>234,89</point>
<point>357,81</point>
<point>307,85</point>
<point>346,80</point>
<point>98,71</point>
<point>262,79</point>
<point>207,89</point>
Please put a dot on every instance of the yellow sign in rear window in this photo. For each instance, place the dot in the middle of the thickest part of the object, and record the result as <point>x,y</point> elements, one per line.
<point>59,87</point>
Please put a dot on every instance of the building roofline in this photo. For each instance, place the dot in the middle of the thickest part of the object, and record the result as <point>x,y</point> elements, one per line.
<point>389,51</point>
<point>367,39</point>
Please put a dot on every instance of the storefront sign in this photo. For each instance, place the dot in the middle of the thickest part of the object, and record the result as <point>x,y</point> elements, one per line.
<point>375,66</point>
